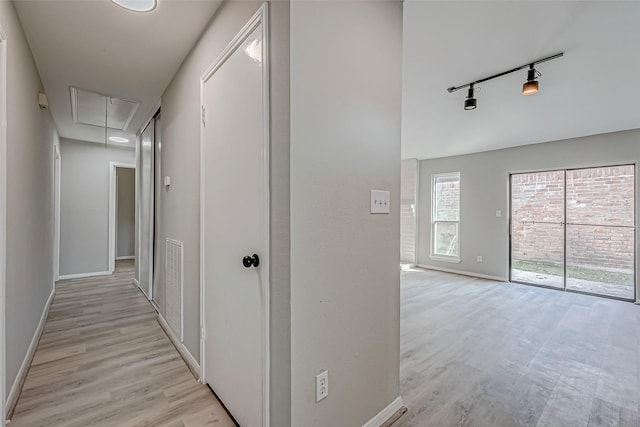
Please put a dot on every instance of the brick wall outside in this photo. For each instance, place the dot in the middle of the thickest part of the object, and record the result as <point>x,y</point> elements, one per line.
<point>447,201</point>
<point>596,197</point>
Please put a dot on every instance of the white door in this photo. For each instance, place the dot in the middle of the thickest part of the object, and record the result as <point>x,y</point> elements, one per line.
<point>235,204</point>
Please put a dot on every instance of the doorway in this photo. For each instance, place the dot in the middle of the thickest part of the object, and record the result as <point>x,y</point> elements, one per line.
<point>235,225</point>
<point>125,217</point>
<point>122,202</point>
<point>574,230</point>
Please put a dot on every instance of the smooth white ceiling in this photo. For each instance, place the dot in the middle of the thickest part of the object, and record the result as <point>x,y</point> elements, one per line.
<point>591,90</point>
<point>99,46</point>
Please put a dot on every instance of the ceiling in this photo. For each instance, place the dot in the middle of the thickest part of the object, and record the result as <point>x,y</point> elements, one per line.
<point>103,48</point>
<point>591,90</point>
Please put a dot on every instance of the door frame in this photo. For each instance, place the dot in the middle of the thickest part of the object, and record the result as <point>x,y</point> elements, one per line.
<point>260,17</point>
<point>636,290</point>
<point>3,218</point>
<point>156,211</point>
<point>57,166</point>
<point>113,202</point>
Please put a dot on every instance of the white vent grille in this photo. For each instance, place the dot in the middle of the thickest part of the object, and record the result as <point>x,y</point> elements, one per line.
<point>173,285</point>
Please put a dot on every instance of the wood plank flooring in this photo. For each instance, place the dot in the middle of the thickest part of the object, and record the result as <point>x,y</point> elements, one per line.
<point>103,360</point>
<point>482,353</point>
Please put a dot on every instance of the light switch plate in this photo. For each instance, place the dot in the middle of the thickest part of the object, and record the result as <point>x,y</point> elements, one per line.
<point>498,214</point>
<point>380,201</point>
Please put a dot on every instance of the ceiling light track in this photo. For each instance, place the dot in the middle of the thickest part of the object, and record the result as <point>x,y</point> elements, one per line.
<point>530,87</point>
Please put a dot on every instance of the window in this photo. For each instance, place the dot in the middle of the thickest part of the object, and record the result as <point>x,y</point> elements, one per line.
<point>445,217</point>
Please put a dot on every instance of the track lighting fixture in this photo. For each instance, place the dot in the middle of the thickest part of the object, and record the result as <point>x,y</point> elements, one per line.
<point>530,87</point>
<point>470,103</point>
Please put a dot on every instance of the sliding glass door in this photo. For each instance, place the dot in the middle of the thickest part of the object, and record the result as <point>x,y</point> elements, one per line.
<point>575,230</point>
<point>600,230</point>
<point>537,228</point>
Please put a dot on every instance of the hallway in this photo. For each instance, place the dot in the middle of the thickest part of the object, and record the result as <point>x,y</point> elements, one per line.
<point>103,360</point>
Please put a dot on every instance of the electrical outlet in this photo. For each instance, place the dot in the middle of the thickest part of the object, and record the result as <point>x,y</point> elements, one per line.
<point>322,385</point>
<point>479,258</point>
<point>498,214</point>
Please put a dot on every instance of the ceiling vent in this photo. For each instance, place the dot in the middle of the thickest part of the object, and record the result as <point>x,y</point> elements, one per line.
<point>90,108</point>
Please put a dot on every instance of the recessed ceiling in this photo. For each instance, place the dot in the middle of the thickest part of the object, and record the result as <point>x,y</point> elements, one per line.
<point>106,49</point>
<point>90,108</point>
<point>448,43</point>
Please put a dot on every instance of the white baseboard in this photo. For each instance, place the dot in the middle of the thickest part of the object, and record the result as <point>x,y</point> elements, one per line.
<point>83,275</point>
<point>464,273</point>
<point>155,306</point>
<point>16,388</point>
<point>121,258</point>
<point>137,284</point>
<point>194,366</point>
<point>385,414</point>
<point>143,292</point>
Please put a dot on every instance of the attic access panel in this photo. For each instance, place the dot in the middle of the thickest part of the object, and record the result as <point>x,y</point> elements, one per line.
<point>94,109</point>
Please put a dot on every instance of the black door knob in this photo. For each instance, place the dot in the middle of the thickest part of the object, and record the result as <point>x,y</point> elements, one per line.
<point>249,261</point>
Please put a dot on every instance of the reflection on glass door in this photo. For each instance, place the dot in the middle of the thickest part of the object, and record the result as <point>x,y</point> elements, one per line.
<point>537,228</point>
<point>575,230</point>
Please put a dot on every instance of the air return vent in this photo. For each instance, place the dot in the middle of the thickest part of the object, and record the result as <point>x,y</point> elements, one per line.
<point>173,285</point>
<point>90,108</point>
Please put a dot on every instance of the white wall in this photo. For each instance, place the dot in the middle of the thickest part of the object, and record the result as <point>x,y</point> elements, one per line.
<point>180,216</point>
<point>84,204</point>
<point>31,137</point>
<point>484,188</point>
<point>279,252</point>
<point>126,216</point>
<point>345,141</point>
<point>181,155</point>
<point>342,153</point>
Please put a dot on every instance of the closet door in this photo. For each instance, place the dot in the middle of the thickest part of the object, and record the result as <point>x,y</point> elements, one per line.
<point>146,210</point>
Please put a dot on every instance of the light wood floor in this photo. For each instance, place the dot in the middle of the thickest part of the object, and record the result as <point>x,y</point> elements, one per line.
<point>103,360</point>
<point>483,353</point>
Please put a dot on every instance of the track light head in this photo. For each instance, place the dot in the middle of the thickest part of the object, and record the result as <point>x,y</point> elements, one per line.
<point>470,103</point>
<point>530,87</point>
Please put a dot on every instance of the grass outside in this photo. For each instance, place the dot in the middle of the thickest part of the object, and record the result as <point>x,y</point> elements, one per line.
<point>574,271</point>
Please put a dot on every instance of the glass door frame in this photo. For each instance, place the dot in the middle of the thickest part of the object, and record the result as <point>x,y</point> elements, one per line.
<point>564,224</point>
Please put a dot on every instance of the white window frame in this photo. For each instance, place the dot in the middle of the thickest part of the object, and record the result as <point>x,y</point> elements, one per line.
<point>432,254</point>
